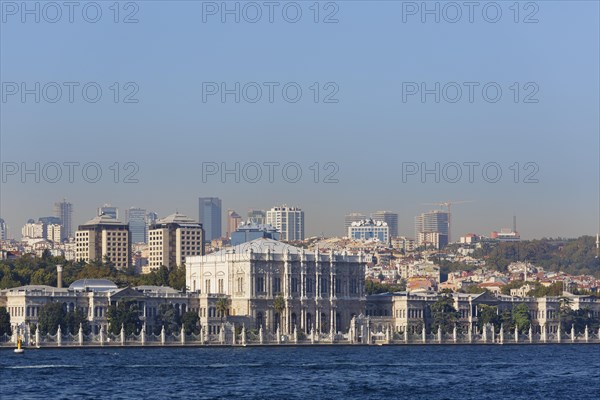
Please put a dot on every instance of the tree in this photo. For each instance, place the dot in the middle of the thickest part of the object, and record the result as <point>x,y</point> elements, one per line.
<point>125,313</point>
<point>51,316</point>
<point>169,317</point>
<point>190,321</point>
<point>75,319</point>
<point>279,306</point>
<point>5,328</point>
<point>177,277</point>
<point>443,314</point>
<point>521,318</point>
<point>372,287</point>
<point>222,307</point>
<point>487,315</point>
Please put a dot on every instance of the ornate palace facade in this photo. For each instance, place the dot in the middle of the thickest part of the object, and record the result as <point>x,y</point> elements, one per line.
<point>273,285</point>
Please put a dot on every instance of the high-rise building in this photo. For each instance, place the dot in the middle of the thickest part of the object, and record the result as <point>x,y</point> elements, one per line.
<point>64,211</point>
<point>33,230</point>
<point>259,217</point>
<point>350,218</point>
<point>104,239</point>
<point>388,217</point>
<point>431,229</point>
<point>3,230</point>
<point>136,218</point>
<point>369,229</point>
<point>289,221</point>
<point>233,221</point>
<point>52,229</point>
<point>209,215</point>
<point>53,232</point>
<point>172,239</point>
<point>109,210</point>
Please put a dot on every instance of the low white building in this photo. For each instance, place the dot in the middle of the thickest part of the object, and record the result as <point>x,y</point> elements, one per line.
<point>368,229</point>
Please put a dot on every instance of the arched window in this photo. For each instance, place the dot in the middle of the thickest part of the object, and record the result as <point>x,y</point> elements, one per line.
<point>294,320</point>
<point>259,319</point>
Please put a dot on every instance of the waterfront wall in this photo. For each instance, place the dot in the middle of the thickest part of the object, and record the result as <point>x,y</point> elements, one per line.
<point>229,336</point>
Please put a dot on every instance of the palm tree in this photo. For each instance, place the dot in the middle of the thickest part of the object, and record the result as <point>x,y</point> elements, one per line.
<point>279,306</point>
<point>222,306</point>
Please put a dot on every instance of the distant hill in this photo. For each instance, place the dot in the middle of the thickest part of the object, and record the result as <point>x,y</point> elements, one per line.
<point>573,256</point>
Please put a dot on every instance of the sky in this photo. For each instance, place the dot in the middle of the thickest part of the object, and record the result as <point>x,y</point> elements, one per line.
<point>392,108</point>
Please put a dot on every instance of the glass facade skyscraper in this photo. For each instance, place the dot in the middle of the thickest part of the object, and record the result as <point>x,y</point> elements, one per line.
<point>136,218</point>
<point>209,215</point>
<point>64,211</point>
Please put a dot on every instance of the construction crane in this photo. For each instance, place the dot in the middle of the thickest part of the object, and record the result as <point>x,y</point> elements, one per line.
<point>448,205</point>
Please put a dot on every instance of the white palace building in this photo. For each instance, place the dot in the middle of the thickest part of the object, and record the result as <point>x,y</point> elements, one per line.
<point>320,291</point>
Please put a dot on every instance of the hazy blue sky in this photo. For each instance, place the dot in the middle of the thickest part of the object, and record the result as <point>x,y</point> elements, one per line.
<point>369,133</point>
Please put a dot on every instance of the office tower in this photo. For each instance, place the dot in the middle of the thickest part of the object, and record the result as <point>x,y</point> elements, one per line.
<point>250,230</point>
<point>104,239</point>
<point>209,215</point>
<point>350,218</point>
<point>3,230</point>
<point>388,217</point>
<point>289,221</point>
<point>431,229</point>
<point>259,217</point>
<point>64,211</point>
<point>233,220</point>
<point>172,239</point>
<point>369,229</point>
<point>109,210</point>
<point>136,218</point>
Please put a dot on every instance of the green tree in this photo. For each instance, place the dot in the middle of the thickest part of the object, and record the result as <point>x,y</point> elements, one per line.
<point>521,318</point>
<point>190,321</point>
<point>125,313</point>
<point>169,317</point>
<point>50,317</point>
<point>5,328</point>
<point>222,307</point>
<point>555,289</point>
<point>279,306</point>
<point>487,315</point>
<point>506,320</point>
<point>177,277</point>
<point>373,287</point>
<point>74,319</point>
<point>443,314</point>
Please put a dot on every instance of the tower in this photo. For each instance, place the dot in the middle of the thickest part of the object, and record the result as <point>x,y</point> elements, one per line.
<point>209,215</point>
<point>64,211</point>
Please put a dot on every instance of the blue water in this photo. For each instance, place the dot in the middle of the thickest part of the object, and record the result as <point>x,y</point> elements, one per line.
<point>324,372</point>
